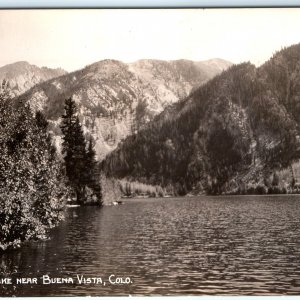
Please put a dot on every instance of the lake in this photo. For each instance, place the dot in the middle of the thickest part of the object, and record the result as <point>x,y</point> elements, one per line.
<point>233,245</point>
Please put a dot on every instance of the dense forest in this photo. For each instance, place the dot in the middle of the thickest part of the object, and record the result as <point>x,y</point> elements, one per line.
<point>232,135</point>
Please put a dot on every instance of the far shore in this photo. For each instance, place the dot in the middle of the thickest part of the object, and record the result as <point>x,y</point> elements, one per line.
<point>212,196</point>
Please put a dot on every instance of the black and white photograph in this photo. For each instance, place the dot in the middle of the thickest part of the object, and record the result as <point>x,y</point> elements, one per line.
<point>149,152</point>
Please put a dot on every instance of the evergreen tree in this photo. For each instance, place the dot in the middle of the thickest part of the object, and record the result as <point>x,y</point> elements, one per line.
<point>275,181</point>
<point>92,174</point>
<point>73,149</point>
<point>78,167</point>
<point>80,162</point>
<point>91,157</point>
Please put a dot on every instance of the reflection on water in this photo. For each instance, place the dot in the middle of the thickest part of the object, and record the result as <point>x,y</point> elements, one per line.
<point>206,245</point>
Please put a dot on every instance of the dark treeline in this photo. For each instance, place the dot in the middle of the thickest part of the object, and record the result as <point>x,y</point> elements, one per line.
<point>238,129</point>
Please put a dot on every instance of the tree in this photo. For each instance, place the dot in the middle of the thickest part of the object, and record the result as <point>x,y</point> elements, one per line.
<point>92,171</point>
<point>275,181</point>
<point>128,190</point>
<point>90,161</point>
<point>80,162</point>
<point>73,147</point>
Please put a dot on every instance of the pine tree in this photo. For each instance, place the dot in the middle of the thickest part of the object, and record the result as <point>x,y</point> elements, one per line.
<point>90,164</point>
<point>74,149</point>
<point>68,130</point>
<point>92,174</point>
<point>80,162</point>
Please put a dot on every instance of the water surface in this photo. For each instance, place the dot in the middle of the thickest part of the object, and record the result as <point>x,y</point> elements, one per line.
<point>247,245</point>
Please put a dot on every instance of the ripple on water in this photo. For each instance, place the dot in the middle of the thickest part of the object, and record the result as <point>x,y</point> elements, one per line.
<point>205,245</point>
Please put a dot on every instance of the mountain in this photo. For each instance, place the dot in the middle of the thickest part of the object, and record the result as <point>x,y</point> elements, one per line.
<point>22,76</point>
<point>116,99</point>
<point>235,134</point>
<point>214,66</point>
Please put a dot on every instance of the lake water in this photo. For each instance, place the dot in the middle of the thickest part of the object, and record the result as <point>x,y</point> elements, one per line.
<point>247,245</point>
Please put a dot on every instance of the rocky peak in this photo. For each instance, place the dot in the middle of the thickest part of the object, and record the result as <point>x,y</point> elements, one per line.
<point>22,76</point>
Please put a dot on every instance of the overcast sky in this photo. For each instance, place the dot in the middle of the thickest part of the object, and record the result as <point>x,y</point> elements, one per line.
<point>72,39</point>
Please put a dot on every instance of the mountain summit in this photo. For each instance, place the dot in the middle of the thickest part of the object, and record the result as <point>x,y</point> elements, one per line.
<point>22,76</point>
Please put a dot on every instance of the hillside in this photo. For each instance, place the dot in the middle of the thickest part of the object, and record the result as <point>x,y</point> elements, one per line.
<point>22,76</point>
<point>117,99</point>
<point>229,135</point>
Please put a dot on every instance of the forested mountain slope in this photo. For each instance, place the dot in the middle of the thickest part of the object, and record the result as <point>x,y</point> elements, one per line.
<point>235,130</point>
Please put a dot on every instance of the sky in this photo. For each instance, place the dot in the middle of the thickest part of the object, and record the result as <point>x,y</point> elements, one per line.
<point>72,39</point>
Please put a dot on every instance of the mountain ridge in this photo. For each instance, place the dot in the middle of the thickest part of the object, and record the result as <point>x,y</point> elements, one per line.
<point>116,99</point>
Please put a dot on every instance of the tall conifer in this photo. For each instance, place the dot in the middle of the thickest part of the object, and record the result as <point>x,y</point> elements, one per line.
<point>80,162</point>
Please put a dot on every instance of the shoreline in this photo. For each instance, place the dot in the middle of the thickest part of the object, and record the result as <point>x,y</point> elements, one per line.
<point>213,196</point>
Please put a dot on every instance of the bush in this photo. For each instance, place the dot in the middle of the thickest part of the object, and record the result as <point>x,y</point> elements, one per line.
<point>261,190</point>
